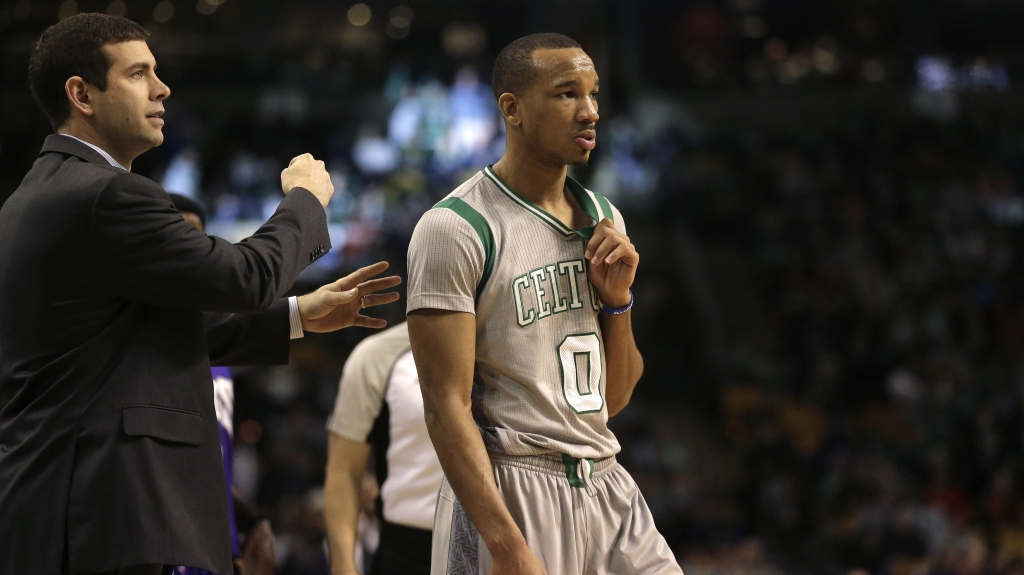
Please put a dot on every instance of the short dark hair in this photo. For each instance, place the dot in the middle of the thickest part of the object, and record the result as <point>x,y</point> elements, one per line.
<point>74,47</point>
<point>514,69</point>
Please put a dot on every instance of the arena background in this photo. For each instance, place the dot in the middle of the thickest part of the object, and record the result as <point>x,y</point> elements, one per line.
<point>826,195</point>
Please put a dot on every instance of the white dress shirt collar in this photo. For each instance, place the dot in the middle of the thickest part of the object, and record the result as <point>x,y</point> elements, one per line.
<point>99,150</point>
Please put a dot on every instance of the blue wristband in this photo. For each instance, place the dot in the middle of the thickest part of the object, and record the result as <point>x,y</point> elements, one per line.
<point>620,311</point>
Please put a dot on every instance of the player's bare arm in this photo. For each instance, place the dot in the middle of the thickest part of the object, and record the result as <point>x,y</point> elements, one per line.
<point>346,464</point>
<point>611,266</point>
<point>444,346</point>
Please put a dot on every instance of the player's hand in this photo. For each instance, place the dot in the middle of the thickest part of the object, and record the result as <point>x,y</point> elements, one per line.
<point>258,556</point>
<point>611,264</point>
<point>306,172</point>
<point>522,563</point>
<point>337,305</point>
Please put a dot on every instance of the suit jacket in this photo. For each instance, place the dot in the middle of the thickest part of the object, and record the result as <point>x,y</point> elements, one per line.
<point>109,451</point>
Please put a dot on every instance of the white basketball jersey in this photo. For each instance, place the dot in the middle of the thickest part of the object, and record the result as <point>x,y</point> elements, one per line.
<point>539,382</point>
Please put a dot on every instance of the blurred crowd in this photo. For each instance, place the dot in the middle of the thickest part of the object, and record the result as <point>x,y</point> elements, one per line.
<point>387,169</point>
<point>870,379</point>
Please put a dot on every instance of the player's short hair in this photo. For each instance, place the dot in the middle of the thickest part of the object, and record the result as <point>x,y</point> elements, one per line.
<point>74,47</point>
<point>514,68</point>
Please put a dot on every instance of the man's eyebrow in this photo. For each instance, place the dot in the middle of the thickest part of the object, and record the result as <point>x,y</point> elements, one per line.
<point>575,82</point>
<point>141,65</point>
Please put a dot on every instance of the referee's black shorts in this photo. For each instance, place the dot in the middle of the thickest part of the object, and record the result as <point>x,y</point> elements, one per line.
<point>402,551</point>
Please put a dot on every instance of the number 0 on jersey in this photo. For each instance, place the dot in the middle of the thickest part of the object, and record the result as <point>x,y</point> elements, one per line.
<point>580,357</point>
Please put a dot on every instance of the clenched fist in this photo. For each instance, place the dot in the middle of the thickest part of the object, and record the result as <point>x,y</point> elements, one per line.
<point>306,172</point>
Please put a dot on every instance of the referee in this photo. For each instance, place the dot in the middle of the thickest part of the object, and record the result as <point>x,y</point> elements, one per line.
<point>379,405</point>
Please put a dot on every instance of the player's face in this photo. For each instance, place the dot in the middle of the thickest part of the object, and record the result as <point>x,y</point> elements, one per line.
<point>560,107</point>
<point>128,112</point>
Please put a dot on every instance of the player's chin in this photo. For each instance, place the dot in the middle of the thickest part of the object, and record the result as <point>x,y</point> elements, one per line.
<point>580,159</point>
<point>577,157</point>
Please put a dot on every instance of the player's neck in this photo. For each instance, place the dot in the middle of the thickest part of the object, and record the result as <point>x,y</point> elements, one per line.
<point>540,183</point>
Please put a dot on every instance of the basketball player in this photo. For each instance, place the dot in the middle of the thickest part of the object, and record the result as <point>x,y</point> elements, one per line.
<point>519,299</point>
<point>379,404</point>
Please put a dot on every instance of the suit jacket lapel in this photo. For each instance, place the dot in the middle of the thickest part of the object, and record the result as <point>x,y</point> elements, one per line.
<point>72,147</point>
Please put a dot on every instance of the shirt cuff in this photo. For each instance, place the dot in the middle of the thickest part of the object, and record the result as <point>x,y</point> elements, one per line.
<point>294,319</point>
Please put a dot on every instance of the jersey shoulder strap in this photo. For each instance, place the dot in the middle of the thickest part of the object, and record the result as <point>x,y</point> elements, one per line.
<point>597,206</point>
<point>482,229</point>
<point>604,207</point>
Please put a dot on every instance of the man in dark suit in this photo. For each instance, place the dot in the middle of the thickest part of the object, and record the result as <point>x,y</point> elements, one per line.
<point>263,339</point>
<point>109,452</point>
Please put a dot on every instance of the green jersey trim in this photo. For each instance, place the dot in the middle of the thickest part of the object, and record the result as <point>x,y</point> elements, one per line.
<point>577,191</point>
<point>606,207</point>
<point>483,231</point>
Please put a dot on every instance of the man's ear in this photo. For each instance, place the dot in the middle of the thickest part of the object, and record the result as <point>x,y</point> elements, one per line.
<point>78,92</point>
<point>509,106</point>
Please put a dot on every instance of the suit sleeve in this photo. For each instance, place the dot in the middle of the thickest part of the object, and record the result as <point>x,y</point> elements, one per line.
<point>147,253</point>
<point>259,338</point>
